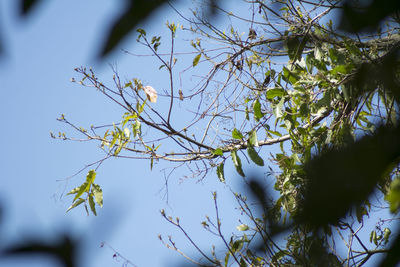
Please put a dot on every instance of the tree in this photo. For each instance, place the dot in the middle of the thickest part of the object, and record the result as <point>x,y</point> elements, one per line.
<point>326,97</point>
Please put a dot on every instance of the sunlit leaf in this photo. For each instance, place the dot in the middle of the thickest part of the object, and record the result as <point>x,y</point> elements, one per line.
<point>74,191</point>
<point>237,134</point>
<point>92,204</point>
<point>98,194</point>
<point>86,186</point>
<point>242,227</point>
<point>218,152</point>
<point>237,162</point>
<point>196,60</point>
<point>220,172</point>
<point>75,204</point>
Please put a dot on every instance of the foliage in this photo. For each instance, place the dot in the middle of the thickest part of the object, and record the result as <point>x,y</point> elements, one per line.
<point>327,99</point>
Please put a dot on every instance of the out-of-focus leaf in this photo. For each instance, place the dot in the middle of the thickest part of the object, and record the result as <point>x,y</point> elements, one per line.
<point>393,256</point>
<point>393,196</point>
<point>26,6</point>
<point>367,18</point>
<point>135,12</point>
<point>341,178</point>
<point>242,227</point>
<point>64,249</point>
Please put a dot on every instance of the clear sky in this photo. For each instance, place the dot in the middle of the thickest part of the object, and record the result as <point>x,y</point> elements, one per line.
<point>35,70</point>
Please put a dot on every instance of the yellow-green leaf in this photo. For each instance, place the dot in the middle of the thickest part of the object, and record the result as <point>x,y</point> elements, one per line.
<point>242,227</point>
<point>196,60</point>
<point>91,204</point>
<point>218,152</point>
<point>75,204</point>
<point>98,194</point>
<point>237,134</point>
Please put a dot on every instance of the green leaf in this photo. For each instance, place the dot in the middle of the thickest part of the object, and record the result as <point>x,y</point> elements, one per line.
<point>218,152</point>
<point>275,133</point>
<point>237,245</point>
<point>91,176</point>
<point>91,204</point>
<point>196,60</point>
<point>141,31</point>
<point>254,156</point>
<point>278,110</point>
<point>393,196</point>
<point>386,234</point>
<point>237,134</point>
<point>242,227</point>
<point>220,172</point>
<point>290,76</point>
<point>98,194</point>
<point>253,140</point>
<point>227,258</point>
<point>75,204</point>
<point>82,189</point>
<point>74,191</point>
<point>86,185</point>
<point>295,47</point>
<point>257,110</point>
<point>237,162</point>
<point>274,92</point>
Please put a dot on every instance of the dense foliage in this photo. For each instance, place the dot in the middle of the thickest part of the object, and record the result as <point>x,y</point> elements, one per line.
<point>326,98</point>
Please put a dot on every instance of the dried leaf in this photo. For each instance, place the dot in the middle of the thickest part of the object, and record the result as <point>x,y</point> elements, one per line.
<point>151,93</point>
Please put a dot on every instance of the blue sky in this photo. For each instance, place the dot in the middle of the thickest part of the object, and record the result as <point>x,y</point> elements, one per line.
<point>40,55</point>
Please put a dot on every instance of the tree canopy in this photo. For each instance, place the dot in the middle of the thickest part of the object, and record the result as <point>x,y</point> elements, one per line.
<point>323,91</point>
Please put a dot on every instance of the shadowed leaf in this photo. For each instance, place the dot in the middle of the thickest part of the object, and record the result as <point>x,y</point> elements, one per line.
<point>26,6</point>
<point>136,12</point>
<point>339,179</point>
